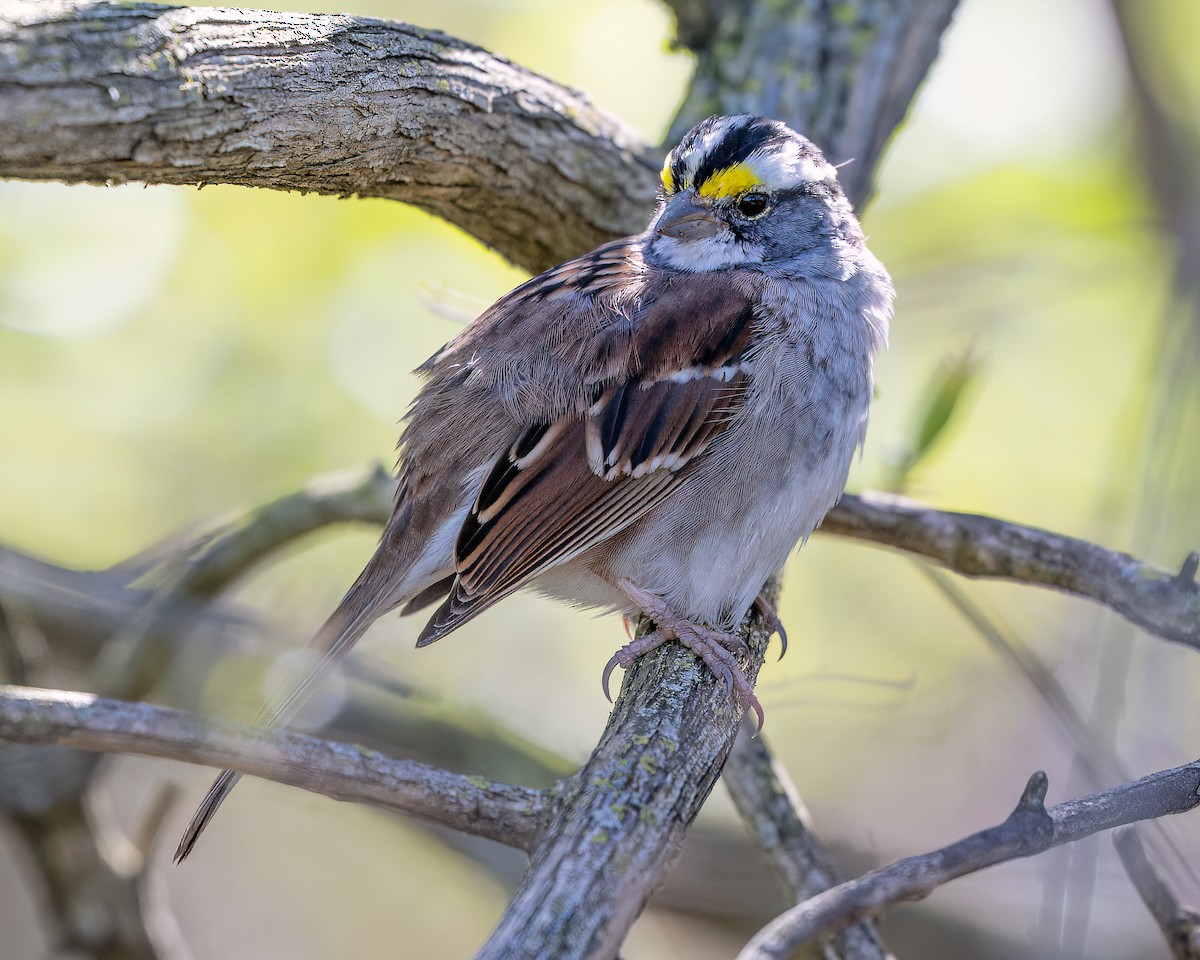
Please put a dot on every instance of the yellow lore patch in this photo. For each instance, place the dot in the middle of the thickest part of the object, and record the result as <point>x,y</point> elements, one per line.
<point>730,182</point>
<point>666,175</point>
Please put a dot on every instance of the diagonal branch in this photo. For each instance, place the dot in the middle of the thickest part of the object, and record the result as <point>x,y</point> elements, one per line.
<point>101,92</point>
<point>1030,829</point>
<point>1180,925</point>
<point>1166,604</point>
<point>617,824</point>
<point>770,807</point>
<point>509,814</point>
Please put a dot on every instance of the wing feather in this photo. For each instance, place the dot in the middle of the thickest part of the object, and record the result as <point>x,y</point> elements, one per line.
<point>553,506</point>
<point>677,369</point>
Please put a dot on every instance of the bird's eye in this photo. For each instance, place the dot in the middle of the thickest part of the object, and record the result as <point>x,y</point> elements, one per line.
<point>752,205</point>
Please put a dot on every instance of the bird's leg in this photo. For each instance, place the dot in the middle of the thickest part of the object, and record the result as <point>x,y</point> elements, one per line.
<point>771,621</point>
<point>715,647</point>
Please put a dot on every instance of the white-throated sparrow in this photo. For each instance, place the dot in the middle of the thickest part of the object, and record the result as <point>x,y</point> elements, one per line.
<point>651,427</point>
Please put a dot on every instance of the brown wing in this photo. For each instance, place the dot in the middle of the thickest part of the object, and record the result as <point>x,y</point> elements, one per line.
<point>565,485</point>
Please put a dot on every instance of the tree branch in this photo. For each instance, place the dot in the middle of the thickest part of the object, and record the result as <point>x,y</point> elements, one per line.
<point>134,657</point>
<point>1180,925</point>
<point>771,809</point>
<point>617,824</point>
<point>509,814</point>
<point>841,73</point>
<point>1029,829</point>
<point>101,92</point>
<point>1163,603</point>
<point>976,546</point>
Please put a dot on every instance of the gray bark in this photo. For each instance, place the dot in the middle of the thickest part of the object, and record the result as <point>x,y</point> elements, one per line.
<point>843,74</point>
<point>617,824</point>
<point>106,92</point>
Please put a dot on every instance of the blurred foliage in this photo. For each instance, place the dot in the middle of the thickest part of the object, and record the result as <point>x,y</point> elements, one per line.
<point>946,390</point>
<point>167,356</point>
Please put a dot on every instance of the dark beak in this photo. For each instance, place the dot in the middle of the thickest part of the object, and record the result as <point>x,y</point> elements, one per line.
<point>684,219</point>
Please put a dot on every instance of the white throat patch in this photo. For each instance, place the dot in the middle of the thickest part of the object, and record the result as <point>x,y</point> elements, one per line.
<point>702,256</point>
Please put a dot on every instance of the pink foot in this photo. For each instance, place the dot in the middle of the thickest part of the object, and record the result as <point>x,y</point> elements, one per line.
<point>716,648</point>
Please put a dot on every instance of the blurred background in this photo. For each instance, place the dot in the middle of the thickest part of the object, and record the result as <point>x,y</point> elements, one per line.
<point>170,357</point>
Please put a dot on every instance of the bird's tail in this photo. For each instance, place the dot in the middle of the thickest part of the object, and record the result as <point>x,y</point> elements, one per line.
<point>370,597</point>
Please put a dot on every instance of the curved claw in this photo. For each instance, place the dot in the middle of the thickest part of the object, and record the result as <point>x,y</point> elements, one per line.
<point>608,669</point>
<point>772,622</point>
<point>628,653</point>
<point>759,715</point>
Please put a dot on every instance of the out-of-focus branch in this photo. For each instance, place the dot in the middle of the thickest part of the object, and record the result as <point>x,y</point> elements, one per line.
<point>1029,829</point>
<point>509,814</point>
<point>103,92</point>
<point>1166,604</point>
<point>1179,924</point>
<point>75,612</point>
<point>134,656</point>
<point>1168,139</point>
<point>843,74</point>
<point>1163,603</point>
<point>94,904</point>
<point>772,811</point>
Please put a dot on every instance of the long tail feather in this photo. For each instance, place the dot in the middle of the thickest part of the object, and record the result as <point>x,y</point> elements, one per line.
<point>371,596</point>
<point>206,811</point>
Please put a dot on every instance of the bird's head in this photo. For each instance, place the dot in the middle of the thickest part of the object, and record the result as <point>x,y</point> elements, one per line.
<point>746,191</point>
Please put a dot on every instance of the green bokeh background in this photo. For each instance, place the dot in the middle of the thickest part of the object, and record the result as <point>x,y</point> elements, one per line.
<point>169,356</point>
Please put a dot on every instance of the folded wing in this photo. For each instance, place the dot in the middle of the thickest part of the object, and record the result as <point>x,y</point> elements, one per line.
<point>567,485</point>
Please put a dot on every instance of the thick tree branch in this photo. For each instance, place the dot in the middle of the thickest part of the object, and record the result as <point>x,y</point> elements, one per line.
<point>1166,604</point>
<point>1029,830</point>
<point>616,826</point>
<point>96,92</point>
<point>509,814</point>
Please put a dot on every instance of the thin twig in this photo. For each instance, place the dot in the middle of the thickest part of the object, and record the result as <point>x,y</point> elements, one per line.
<point>1100,763</point>
<point>1180,925</point>
<point>1029,829</point>
<point>509,814</point>
<point>200,567</point>
<point>778,821</point>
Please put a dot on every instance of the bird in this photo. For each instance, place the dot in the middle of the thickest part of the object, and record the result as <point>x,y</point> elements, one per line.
<point>650,428</point>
